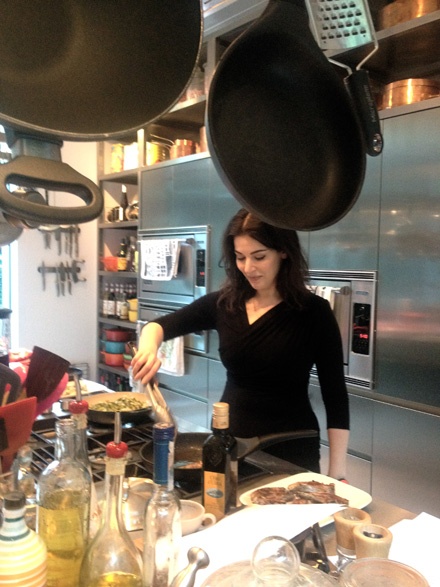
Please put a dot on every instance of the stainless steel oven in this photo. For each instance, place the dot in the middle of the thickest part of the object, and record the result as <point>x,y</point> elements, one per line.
<point>352,296</point>
<point>197,341</point>
<point>190,277</point>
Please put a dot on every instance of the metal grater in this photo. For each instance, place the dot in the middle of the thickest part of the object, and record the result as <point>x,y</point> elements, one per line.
<point>339,25</point>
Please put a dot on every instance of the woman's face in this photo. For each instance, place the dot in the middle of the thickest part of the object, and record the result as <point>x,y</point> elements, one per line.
<point>258,264</point>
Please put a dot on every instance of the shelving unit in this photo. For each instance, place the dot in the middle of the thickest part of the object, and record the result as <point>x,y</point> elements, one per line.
<point>183,121</point>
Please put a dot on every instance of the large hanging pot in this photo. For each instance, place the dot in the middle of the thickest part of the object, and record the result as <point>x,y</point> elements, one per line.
<point>85,70</point>
<point>281,128</point>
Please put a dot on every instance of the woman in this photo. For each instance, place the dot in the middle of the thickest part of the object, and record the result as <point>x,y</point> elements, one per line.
<point>272,330</point>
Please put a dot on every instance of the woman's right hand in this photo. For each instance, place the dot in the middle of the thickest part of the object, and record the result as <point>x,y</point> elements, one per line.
<point>145,363</point>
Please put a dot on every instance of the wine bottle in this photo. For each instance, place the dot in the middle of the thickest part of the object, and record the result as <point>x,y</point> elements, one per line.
<point>23,555</point>
<point>105,298</point>
<point>162,527</point>
<point>122,255</point>
<point>220,466</point>
<point>124,203</point>
<point>112,557</point>
<point>63,509</point>
<point>111,302</point>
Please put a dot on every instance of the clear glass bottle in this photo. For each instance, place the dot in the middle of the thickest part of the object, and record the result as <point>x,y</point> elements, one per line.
<point>220,465</point>
<point>63,509</point>
<point>162,527</point>
<point>78,409</point>
<point>112,560</point>
<point>24,480</point>
<point>22,552</point>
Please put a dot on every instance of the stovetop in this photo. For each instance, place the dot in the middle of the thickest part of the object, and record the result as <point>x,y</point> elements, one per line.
<point>42,443</point>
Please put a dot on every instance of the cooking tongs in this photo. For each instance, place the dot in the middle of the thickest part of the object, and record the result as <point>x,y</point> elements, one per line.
<point>342,26</point>
<point>159,407</point>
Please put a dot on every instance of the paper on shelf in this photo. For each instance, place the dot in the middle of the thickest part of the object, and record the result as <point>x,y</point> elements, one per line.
<point>159,259</point>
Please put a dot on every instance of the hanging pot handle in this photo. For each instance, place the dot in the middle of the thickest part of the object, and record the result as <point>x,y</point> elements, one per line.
<point>48,174</point>
<point>359,87</point>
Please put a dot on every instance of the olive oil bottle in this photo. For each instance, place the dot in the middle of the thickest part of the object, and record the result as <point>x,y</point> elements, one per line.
<point>220,466</point>
<point>63,512</point>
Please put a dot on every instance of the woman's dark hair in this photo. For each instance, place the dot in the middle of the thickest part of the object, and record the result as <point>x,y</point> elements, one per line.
<point>292,276</point>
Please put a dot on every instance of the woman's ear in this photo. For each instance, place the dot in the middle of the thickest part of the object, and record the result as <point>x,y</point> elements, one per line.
<point>283,255</point>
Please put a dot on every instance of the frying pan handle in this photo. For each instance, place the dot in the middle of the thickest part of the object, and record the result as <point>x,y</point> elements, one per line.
<point>246,446</point>
<point>360,90</point>
<point>36,172</point>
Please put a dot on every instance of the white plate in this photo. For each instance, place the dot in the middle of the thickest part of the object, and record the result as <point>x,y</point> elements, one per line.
<point>357,498</point>
<point>86,388</point>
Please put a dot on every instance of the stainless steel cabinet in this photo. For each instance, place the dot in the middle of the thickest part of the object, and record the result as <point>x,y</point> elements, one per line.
<point>406,461</point>
<point>408,317</point>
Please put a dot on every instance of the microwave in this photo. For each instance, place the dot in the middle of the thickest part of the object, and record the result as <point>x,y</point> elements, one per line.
<point>183,253</point>
<point>352,297</point>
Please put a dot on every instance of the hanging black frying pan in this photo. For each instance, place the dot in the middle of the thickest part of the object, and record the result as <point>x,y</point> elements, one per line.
<point>85,70</point>
<point>189,445</point>
<point>282,130</point>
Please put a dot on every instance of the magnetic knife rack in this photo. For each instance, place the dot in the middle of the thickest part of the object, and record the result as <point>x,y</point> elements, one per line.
<point>73,270</point>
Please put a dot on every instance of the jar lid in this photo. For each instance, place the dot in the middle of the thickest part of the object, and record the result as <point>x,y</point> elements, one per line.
<point>14,500</point>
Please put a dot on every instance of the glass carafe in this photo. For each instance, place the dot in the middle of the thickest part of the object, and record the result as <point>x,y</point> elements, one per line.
<point>112,558</point>
<point>63,506</point>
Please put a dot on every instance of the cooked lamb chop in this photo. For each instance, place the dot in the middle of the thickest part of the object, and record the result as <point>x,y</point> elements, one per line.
<point>269,495</point>
<point>298,493</point>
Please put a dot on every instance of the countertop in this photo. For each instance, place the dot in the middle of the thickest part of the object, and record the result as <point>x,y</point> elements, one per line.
<point>381,512</point>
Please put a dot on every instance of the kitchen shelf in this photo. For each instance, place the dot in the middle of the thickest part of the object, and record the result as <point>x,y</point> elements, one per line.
<point>118,323</point>
<point>115,274</point>
<point>116,370</point>
<point>119,225</point>
<point>129,177</point>
<point>191,112</point>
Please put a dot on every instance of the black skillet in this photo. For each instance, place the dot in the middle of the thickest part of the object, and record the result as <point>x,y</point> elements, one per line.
<point>85,70</point>
<point>281,127</point>
<point>189,445</point>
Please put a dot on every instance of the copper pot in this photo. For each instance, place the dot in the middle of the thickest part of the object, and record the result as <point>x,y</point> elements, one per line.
<point>183,148</point>
<point>404,10</point>
<point>408,91</point>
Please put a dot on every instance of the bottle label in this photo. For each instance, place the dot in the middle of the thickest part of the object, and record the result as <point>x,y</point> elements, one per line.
<point>122,263</point>
<point>214,495</point>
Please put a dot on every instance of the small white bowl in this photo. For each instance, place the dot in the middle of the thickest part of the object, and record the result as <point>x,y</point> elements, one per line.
<point>194,517</point>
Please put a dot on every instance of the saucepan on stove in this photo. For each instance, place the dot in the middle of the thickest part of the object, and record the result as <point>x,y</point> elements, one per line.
<point>189,445</point>
<point>134,408</point>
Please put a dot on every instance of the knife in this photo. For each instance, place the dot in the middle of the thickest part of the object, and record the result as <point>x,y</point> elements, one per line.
<point>63,277</point>
<point>58,239</point>
<point>43,274</point>
<point>76,228</point>
<point>69,279</point>
<point>57,279</point>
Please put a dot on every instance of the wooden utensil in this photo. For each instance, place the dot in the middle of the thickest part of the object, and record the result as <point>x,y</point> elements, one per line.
<point>46,370</point>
